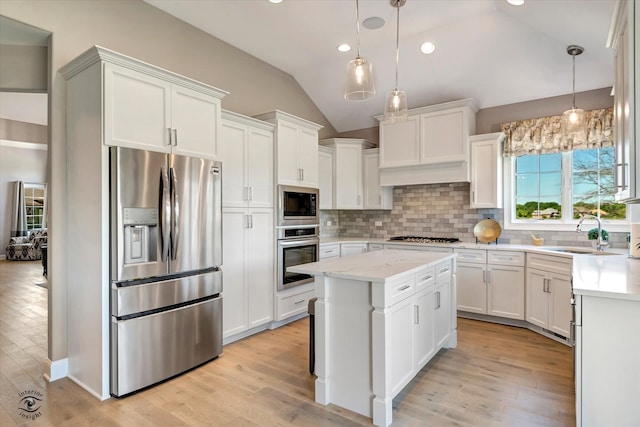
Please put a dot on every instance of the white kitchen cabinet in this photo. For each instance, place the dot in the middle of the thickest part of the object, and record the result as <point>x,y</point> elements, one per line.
<point>486,170</point>
<point>248,247</point>
<point>348,174</point>
<point>375,196</point>
<point>296,142</point>
<point>375,247</point>
<point>246,152</point>
<point>491,282</point>
<point>444,310</point>
<point>623,39</point>
<point>329,250</point>
<point>548,293</point>
<point>401,344</point>
<point>347,249</point>
<point>431,146</point>
<point>325,176</point>
<point>424,321</point>
<point>607,374</point>
<point>152,109</point>
<point>293,302</point>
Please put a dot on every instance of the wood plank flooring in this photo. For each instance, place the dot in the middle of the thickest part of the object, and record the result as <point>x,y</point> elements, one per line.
<point>498,376</point>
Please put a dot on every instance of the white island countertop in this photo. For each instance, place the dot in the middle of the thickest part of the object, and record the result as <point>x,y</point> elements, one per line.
<point>377,266</point>
<point>607,276</point>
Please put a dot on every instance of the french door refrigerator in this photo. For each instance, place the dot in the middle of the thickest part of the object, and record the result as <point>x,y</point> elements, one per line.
<point>166,249</point>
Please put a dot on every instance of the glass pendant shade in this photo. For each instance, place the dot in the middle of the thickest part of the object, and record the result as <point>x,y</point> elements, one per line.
<point>360,84</point>
<point>395,106</point>
<point>573,122</point>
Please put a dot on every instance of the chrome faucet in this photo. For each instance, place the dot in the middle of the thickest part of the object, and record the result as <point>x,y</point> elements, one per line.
<point>599,243</point>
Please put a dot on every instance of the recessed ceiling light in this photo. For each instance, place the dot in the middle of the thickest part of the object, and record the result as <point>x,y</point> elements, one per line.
<point>275,1</point>
<point>516,2</point>
<point>344,47</point>
<point>373,23</point>
<point>428,48</point>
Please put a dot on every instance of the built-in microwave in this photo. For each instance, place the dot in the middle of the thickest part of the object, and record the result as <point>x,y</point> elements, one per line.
<point>297,206</point>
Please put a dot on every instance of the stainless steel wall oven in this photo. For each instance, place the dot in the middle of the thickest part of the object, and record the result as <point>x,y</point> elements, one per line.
<point>297,245</point>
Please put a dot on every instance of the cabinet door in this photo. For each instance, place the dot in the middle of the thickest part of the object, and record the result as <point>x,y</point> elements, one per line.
<point>136,109</point>
<point>325,177</point>
<point>442,312</point>
<point>471,288</point>
<point>234,315</point>
<point>399,143</point>
<point>537,302</point>
<point>347,249</point>
<point>443,137</point>
<point>400,344</point>
<point>505,291</point>
<point>233,146</point>
<point>560,311</point>
<point>423,327</point>
<point>375,196</point>
<point>348,176</point>
<point>288,169</point>
<point>486,175</point>
<point>259,168</point>
<point>308,157</point>
<point>194,118</point>
<point>260,267</point>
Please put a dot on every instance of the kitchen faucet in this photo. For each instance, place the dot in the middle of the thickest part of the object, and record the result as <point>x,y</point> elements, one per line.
<point>599,243</point>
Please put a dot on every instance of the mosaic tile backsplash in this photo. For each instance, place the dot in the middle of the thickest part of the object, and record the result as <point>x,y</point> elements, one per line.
<point>439,210</point>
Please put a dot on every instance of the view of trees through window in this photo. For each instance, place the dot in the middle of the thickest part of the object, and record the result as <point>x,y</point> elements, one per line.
<point>542,180</point>
<point>34,195</point>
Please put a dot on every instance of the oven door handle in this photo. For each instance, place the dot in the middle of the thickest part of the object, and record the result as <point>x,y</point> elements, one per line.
<point>298,242</point>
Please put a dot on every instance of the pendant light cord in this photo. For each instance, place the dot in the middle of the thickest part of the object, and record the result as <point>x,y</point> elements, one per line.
<point>357,30</point>
<point>574,80</point>
<point>397,42</point>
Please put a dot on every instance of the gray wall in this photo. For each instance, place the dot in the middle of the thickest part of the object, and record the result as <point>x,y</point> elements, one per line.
<point>23,67</point>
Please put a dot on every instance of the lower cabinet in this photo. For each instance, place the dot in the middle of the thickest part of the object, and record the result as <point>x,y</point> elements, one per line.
<point>248,269</point>
<point>294,301</point>
<point>491,282</point>
<point>347,249</point>
<point>549,293</point>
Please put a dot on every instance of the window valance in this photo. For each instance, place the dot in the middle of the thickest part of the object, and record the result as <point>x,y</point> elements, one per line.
<point>544,135</point>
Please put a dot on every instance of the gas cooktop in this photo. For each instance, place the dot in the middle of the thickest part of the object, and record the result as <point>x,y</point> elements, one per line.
<point>424,239</point>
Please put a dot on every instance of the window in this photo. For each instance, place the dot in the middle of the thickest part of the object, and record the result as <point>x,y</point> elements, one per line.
<point>554,190</point>
<point>34,195</point>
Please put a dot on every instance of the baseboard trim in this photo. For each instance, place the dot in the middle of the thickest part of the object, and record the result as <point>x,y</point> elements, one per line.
<point>57,369</point>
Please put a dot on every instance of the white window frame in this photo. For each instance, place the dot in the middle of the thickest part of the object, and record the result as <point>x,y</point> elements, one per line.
<point>564,224</point>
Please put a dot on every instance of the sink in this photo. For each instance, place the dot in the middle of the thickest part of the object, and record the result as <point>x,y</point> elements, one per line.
<point>581,251</point>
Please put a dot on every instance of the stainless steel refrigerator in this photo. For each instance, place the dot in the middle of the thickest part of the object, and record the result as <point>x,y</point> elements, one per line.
<point>166,249</point>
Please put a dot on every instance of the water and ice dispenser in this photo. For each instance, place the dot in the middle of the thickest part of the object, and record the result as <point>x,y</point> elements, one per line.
<point>140,235</point>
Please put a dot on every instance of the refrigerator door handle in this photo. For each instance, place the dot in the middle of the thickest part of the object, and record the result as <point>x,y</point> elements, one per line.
<point>165,214</point>
<point>175,217</point>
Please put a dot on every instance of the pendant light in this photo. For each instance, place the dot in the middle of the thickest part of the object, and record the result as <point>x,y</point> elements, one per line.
<point>573,121</point>
<point>360,85</point>
<point>395,107</point>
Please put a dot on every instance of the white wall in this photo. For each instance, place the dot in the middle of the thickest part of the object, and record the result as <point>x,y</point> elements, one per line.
<point>18,162</point>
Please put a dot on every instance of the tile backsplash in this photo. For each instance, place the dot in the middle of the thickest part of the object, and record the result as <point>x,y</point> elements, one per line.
<point>438,210</point>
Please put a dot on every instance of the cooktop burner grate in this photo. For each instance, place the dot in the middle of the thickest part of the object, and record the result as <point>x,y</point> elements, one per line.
<point>425,239</point>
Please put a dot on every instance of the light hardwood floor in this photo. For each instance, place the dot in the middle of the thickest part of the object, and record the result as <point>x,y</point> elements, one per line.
<point>498,376</point>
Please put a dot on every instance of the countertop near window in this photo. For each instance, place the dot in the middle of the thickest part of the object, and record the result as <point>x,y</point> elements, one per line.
<point>607,276</point>
<point>377,266</point>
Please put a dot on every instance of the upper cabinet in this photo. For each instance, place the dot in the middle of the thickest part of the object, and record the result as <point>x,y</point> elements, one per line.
<point>375,196</point>
<point>296,142</point>
<point>627,75</point>
<point>149,108</point>
<point>431,146</point>
<point>486,170</point>
<point>246,152</point>
<point>325,176</point>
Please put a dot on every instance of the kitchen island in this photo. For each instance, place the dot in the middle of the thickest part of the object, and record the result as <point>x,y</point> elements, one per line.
<point>379,318</point>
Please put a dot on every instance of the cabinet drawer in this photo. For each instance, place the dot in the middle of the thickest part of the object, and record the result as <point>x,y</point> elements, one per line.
<point>399,289</point>
<point>478,256</point>
<point>425,278</point>
<point>550,263</point>
<point>443,270</point>
<point>292,305</point>
<point>329,251</point>
<point>505,258</point>
<point>375,247</point>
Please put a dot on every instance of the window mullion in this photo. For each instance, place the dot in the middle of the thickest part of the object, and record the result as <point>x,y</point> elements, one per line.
<point>567,187</point>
